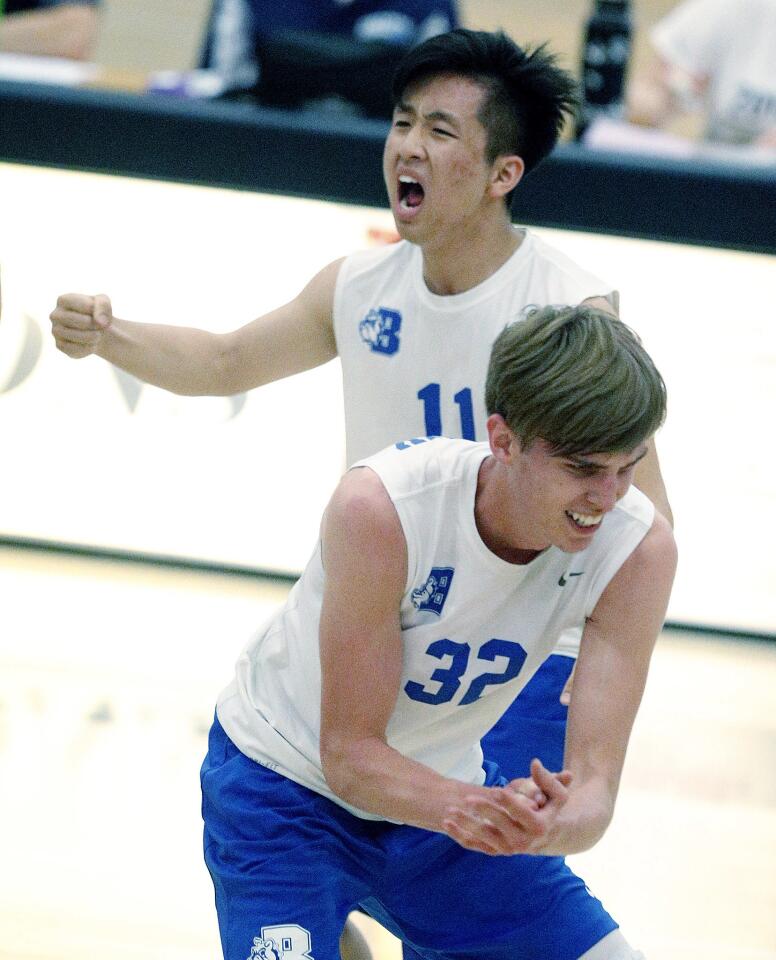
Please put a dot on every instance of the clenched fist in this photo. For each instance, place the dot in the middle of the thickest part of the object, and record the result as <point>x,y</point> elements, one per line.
<point>79,322</point>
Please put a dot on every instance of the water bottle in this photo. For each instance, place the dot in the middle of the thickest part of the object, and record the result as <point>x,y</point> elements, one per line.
<point>607,46</point>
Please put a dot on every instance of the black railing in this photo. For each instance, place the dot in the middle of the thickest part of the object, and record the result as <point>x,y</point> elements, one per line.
<point>710,203</point>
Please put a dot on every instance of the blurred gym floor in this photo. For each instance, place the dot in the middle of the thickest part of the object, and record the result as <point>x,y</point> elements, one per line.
<point>108,676</point>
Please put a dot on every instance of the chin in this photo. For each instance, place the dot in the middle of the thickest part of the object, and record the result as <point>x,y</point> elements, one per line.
<point>576,547</point>
<point>405,230</point>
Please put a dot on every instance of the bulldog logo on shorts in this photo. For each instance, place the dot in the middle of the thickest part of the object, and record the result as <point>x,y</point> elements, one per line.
<point>265,950</point>
<point>286,941</point>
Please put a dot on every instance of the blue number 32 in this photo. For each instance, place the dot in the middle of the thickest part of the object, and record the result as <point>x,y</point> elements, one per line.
<point>449,677</point>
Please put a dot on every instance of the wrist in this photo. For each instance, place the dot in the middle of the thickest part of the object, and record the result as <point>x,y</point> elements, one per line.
<point>112,338</point>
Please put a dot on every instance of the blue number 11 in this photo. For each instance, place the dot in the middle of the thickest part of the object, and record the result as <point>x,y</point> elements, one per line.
<point>430,397</point>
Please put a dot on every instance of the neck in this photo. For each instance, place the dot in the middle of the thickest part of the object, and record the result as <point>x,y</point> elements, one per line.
<point>500,530</point>
<point>449,267</point>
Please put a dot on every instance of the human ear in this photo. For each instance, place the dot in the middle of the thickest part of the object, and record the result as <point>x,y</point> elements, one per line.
<point>500,437</point>
<point>507,172</point>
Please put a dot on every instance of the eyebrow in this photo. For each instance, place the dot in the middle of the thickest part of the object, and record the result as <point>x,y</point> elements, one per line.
<point>434,116</point>
<point>582,461</point>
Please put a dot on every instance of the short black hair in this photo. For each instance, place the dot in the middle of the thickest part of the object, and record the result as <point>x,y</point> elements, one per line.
<point>527,96</point>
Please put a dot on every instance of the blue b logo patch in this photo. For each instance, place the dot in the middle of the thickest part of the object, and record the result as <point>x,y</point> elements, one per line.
<point>433,593</point>
<point>380,328</point>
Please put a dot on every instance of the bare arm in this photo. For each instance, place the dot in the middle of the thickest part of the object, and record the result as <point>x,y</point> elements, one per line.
<point>663,92</point>
<point>617,645</point>
<point>184,360</point>
<point>69,30</point>
<point>361,661</point>
<point>576,806</point>
<point>672,99</point>
<point>648,477</point>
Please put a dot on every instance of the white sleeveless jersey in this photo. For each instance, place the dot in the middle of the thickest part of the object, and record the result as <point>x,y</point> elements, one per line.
<point>474,627</point>
<point>414,363</point>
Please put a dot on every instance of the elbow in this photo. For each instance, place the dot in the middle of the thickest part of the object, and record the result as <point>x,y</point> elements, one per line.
<point>649,102</point>
<point>207,365</point>
<point>339,765</point>
<point>599,822</point>
<point>78,31</point>
<point>588,829</point>
<point>226,366</point>
<point>584,819</point>
<point>600,801</point>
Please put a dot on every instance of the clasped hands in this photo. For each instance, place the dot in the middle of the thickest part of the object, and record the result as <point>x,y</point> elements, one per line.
<point>512,819</point>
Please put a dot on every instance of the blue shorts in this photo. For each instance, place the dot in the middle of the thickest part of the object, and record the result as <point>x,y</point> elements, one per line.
<point>288,865</point>
<point>535,724</point>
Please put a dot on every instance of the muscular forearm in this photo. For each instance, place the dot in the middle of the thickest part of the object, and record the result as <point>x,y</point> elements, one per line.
<point>180,359</point>
<point>374,777</point>
<point>66,31</point>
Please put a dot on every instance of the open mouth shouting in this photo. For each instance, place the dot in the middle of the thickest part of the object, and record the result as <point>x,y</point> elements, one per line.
<point>410,194</point>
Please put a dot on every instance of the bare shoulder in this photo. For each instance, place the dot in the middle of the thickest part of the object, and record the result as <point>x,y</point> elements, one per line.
<point>361,527</point>
<point>289,339</point>
<point>318,294</point>
<point>657,551</point>
<point>638,593</point>
<point>316,303</point>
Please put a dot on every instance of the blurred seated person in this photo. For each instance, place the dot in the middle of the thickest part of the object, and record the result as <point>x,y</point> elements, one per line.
<point>236,25</point>
<point>716,58</point>
<point>49,28</point>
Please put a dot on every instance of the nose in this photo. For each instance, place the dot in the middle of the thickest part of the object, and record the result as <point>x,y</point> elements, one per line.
<point>605,491</point>
<point>411,146</point>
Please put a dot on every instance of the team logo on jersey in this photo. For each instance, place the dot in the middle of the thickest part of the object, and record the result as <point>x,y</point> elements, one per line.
<point>433,593</point>
<point>380,330</point>
<point>282,942</point>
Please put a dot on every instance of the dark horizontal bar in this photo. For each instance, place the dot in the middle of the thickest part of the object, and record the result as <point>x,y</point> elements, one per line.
<point>330,157</point>
<point>115,555</point>
<point>258,573</point>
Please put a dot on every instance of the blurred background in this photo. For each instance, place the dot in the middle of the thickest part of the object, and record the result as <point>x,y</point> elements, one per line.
<point>144,537</point>
<point>131,50</point>
<point>128,42</point>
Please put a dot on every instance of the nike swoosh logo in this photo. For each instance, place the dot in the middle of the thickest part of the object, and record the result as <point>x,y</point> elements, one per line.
<point>563,581</point>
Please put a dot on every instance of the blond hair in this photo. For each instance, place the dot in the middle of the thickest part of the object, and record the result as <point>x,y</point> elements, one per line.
<point>576,377</point>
